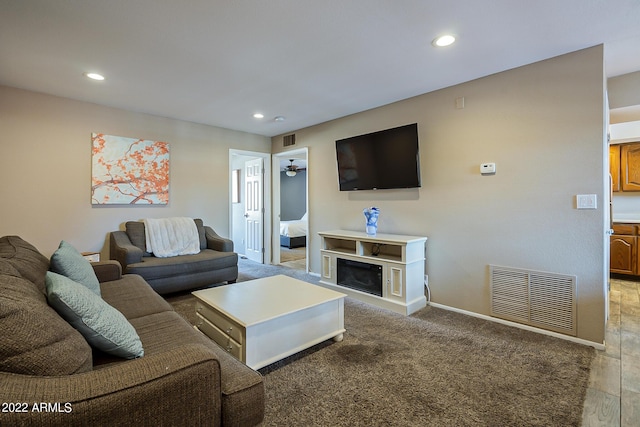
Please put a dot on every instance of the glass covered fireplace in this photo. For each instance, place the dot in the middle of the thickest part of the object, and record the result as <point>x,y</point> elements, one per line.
<point>360,276</point>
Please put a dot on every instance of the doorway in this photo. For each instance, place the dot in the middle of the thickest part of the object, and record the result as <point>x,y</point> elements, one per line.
<point>250,204</point>
<point>290,238</point>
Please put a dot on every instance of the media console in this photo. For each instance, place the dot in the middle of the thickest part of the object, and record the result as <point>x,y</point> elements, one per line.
<point>386,270</point>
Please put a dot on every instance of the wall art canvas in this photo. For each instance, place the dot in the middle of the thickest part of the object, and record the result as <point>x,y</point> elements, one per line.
<point>129,171</point>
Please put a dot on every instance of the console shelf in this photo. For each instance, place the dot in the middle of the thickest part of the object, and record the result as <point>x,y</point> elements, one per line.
<point>401,258</point>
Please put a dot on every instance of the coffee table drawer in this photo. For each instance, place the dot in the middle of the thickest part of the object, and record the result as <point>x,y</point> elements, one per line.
<point>223,340</point>
<point>227,326</point>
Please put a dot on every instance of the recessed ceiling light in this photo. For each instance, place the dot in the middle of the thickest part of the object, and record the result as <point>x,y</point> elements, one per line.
<point>279,118</point>
<point>258,115</point>
<point>443,41</point>
<point>94,76</point>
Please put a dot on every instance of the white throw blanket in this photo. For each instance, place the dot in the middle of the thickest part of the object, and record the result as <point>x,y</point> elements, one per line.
<point>168,237</point>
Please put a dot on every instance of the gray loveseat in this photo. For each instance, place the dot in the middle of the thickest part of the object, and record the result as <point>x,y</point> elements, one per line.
<point>216,262</point>
<point>50,375</point>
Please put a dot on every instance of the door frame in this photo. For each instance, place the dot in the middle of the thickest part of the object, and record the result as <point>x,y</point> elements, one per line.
<point>275,237</point>
<point>266,196</point>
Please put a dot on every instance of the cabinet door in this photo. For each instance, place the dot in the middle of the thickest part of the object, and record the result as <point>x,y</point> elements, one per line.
<point>623,254</point>
<point>614,166</point>
<point>630,167</point>
<point>328,267</point>
<point>395,281</point>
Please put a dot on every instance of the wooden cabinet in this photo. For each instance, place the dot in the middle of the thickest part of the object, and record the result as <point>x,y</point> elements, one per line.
<point>624,249</point>
<point>624,166</point>
<point>630,167</point>
<point>614,166</point>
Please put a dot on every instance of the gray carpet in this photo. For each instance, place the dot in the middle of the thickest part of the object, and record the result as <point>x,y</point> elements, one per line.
<point>434,368</point>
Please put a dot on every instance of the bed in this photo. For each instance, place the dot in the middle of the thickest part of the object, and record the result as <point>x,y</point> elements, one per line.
<point>293,234</point>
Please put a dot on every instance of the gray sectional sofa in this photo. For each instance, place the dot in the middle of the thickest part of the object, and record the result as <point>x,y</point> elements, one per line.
<point>216,262</point>
<point>50,375</point>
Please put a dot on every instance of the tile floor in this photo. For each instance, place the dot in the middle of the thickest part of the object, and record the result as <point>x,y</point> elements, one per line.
<point>613,396</point>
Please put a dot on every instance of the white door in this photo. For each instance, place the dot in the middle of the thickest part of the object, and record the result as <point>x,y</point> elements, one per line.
<point>254,211</point>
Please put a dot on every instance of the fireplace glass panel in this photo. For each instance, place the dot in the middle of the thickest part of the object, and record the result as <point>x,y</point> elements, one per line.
<point>360,276</point>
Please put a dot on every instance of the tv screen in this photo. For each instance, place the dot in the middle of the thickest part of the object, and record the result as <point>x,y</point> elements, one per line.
<point>380,160</point>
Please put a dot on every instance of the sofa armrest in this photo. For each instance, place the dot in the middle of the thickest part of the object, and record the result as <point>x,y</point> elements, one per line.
<point>122,250</point>
<point>163,389</point>
<point>216,242</point>
<point>107,271</point>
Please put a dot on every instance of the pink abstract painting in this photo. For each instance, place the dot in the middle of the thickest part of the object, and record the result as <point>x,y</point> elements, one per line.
<point>129,171</point>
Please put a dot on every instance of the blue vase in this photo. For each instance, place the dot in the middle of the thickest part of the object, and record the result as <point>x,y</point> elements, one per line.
<point>371,215</point>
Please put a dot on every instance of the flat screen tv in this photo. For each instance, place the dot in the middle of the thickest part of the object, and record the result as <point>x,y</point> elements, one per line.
<point>380,160</point>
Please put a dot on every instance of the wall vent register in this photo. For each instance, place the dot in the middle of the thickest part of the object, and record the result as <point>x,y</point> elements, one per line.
<point>535,298</point>
<point>289,140</point>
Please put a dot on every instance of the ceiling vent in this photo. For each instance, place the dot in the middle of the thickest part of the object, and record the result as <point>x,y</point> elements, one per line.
<point>289,140</point>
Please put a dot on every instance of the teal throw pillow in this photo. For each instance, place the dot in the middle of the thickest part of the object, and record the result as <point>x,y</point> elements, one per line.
<point>102,326</point>
<point>69,262</point>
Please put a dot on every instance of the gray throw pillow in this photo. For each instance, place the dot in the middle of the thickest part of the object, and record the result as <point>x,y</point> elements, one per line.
<point>102,326</point>
<point>67,261</point>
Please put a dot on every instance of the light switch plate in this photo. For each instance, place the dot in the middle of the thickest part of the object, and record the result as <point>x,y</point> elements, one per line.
<point>586,201</point>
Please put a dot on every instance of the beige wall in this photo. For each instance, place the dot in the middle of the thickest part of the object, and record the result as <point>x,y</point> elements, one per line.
<point>45,169</point>
<point>624,99</point>
<point>543,126</point>
<point>624,90</point>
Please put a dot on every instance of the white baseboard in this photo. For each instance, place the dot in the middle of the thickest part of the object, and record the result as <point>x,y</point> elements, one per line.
<point>595,345</point>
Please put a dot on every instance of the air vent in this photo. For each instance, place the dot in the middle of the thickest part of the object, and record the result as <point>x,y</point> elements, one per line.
<point>289,140</point>
<point>534,298</point>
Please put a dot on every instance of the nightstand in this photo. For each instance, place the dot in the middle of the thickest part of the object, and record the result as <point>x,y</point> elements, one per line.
<point>91,256</point>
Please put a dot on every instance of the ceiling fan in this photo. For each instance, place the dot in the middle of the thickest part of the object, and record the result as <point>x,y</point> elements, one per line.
<point>292,170</point>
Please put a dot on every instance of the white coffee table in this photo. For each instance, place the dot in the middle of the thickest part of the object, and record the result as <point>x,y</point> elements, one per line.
<point>265,320</point>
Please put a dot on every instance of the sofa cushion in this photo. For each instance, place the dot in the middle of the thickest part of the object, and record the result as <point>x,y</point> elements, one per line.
<point>201,234</point>
<point>133,297</point>
<point>40,342</point>
<point>102,325</point>
<point>242,387</point>
<point>206,261</point>
<point>7,268</point>
<point>67,261</point>
<point>135,231</point>
<point>31,264</point>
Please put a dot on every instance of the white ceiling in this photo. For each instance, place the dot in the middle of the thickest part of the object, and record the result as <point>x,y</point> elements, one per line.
<point>217,61</point>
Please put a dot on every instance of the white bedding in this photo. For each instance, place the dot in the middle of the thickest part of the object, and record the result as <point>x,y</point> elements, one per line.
<point>294,228</point>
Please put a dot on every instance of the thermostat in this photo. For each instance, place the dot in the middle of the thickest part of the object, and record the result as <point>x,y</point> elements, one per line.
<point>487,168</point>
